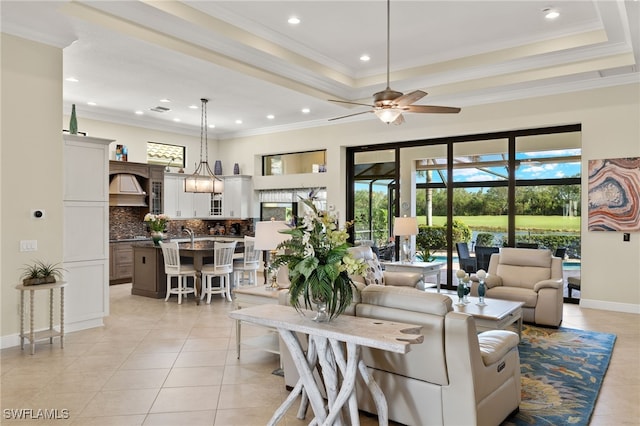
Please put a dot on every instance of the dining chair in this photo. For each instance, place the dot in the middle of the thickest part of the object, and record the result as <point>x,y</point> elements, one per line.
<point>246,269</point>
<point>173,268</point>
<point>221,268</point>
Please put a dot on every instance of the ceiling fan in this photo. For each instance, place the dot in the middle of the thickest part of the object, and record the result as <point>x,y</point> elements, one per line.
<point>388,105</point>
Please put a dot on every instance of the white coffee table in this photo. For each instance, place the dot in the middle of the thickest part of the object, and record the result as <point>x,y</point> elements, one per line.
<point>495,315</point>
<point>427,269</point>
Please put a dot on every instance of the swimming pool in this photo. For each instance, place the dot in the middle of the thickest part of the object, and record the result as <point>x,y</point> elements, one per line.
<point>566,265</point>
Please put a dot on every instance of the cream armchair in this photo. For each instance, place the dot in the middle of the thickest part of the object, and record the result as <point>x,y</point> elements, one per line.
<point>533,277</point>
<point>377,276</point>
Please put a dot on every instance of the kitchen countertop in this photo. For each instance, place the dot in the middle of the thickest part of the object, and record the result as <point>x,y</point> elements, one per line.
<point>203,237</point>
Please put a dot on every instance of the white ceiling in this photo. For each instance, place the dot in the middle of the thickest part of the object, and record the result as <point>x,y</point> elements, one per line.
<point>246,58</point>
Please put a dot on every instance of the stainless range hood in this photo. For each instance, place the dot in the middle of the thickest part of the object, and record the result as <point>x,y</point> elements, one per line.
<point>125,191</point>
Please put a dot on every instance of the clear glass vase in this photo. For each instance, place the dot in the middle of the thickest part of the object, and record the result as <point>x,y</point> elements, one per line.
<point>321,310</point>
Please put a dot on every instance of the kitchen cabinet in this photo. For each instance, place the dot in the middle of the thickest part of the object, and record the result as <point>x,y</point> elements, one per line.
<point>121,262</point>
<point>188,205</point>
<point>177,203</point>
<point>149,279</point>
<point>85,236</point>
<point>238,196</point>
<point>156,189</point>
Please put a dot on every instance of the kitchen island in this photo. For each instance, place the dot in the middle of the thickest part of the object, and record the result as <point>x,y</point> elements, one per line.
<point>149,279</point>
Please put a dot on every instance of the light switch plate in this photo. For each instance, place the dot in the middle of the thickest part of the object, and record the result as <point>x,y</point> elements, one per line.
<point>28,245</point>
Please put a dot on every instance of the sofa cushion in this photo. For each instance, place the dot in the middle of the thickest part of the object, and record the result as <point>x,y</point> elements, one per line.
<point>516,294</point>
<point>402,279</point>
<point>408,299</point>
<point>495,344</point>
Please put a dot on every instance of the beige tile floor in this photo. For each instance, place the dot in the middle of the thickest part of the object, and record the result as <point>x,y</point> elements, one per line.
<point>157,363</point>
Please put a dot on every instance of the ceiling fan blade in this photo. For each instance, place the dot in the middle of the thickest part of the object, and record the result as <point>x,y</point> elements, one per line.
<point>432,109</point>
<point>410,98</point>
<point>350,115</point>
<point>350,103</point>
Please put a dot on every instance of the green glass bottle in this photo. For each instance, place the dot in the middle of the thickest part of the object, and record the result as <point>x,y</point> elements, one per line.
<point>73,124</point>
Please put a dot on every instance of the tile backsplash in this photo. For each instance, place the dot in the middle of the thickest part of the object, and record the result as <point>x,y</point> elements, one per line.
<point>127,223</point>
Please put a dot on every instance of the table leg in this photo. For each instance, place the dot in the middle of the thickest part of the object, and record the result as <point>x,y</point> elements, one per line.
<point>306,382</point>
<point>520,327</point>
<point>62,317</point>
<point>32,337</point>
<point>238,328</point>
<point>197,265</point>
<point>51,316</point>
<point>22,319</point>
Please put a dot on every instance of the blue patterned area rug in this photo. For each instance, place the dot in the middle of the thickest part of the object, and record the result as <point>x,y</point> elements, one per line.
<point>562,372</point>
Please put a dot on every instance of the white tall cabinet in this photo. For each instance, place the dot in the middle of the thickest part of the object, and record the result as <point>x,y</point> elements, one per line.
<point>86,230</point>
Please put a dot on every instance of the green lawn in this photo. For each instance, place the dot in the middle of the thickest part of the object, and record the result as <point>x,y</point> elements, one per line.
<point>499,223</point>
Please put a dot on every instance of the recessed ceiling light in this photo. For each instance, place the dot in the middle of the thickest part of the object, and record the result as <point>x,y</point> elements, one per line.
<point>212,126</point>
<point>550,13</point>
<point>165,100</point>
<point>306,110</point>
<point>72,79</point>
<point>365,58</point>
<point>238,121</point>
<point>271,116</point>
<point>294,20</point>
<point>139,112</point>
<point>177,120</point>
<point>92,103</point>
<point>193,106</point>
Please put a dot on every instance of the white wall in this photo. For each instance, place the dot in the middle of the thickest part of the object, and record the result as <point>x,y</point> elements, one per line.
<point>136,138</point>
<point>30,172</point>
<point>609,118</point>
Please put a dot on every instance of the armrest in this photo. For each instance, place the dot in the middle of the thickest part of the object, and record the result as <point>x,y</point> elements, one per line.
<point>495,344</point>
<point>403,279</point>
<point>556,284</point>
<point>491,280</point>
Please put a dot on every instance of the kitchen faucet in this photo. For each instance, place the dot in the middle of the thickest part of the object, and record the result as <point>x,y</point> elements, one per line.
<point>190,233</point>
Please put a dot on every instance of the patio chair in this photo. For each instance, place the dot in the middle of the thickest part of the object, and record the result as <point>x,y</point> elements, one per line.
<point>467,263</point>
<point>483,256</point>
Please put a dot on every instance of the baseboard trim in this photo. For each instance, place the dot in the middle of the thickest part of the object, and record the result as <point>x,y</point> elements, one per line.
<point>12,340</point>
<point>610,306</point>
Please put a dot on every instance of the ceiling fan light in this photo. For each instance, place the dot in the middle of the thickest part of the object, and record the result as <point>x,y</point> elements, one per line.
<point>388,115</point>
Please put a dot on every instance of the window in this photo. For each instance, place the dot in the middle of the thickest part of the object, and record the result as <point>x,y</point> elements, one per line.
<point>294,163</point>
<point>165,154</point>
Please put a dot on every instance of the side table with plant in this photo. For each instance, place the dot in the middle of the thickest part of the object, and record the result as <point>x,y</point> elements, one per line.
<point>41,273</point>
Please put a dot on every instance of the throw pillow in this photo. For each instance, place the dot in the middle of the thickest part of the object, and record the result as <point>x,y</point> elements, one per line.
<point>373,274</point>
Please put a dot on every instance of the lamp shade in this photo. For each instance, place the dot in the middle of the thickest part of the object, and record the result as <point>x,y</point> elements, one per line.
<point>388,115</point>
<point>405,226</point>
<point>268,234</point>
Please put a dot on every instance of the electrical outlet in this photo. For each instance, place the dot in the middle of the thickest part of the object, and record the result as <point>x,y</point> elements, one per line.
<point>28,245</point>
<point>626,236</point>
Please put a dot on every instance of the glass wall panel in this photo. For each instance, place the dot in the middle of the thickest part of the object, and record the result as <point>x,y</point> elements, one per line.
<point>480,197</point>
<point>374,199</point>
<point>547,198</point>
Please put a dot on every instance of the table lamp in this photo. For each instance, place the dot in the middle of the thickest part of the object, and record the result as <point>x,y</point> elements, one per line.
<point>405,227</point>
<point>268,237</point>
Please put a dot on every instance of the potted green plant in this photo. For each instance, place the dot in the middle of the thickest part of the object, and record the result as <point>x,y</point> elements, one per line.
<point>41,273</point>
<point>319,263</point>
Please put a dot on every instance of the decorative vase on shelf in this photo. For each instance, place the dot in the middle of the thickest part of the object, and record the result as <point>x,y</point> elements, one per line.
<point>482,289</point>
<point>461,291</point>
<point>156,237</point>
<point>73,123</point>
<point>217,168</point>
<point>236,169</point>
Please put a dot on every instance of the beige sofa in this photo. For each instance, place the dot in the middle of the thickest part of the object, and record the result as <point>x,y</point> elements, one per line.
<point>530,276</point>
<point>455,377</point>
